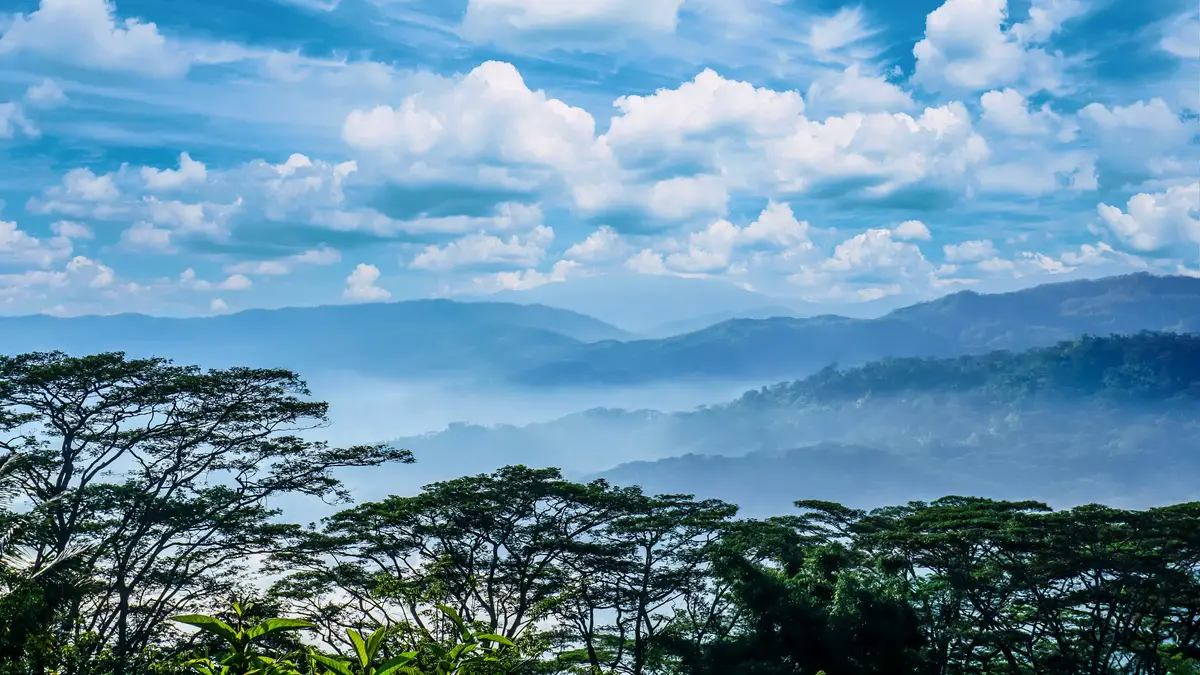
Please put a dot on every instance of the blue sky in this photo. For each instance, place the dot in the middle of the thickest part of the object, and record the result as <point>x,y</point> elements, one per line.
<point>194,158</point>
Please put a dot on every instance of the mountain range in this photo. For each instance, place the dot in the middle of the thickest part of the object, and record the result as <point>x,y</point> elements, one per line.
<point>540,346</point>
<point>1093,419</point>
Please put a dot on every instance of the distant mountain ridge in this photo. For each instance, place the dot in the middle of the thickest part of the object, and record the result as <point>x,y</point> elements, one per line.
<point>961,323</point>
<point>541,346</point>
<point>1088,419</point>
<point>419,337</point>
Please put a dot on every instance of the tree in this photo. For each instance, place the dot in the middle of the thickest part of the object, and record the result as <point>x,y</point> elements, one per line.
<point>495,548</point>
<point>165,473</point>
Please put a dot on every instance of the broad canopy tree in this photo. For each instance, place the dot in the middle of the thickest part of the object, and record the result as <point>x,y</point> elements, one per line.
<point>164,473</point>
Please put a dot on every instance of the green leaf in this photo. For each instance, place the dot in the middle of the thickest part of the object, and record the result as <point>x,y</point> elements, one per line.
<point>457,620</point>
<point>395,664</point>
<point>276,625</point>
<point>335,665</point>
<point>360,647</point>
<point>210,624</point>
<point>376,641</point>
<point>495,638</point>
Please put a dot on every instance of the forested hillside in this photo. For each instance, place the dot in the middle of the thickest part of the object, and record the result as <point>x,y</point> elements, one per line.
<point>141,503</point>
<point>1087,419</point>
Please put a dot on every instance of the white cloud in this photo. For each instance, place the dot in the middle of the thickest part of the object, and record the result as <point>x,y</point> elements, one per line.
<point>873,251</point>
<point>1007,110</point>
<point>523,280</point>
<point>911,230</point>
<point>966,47</point>
<point>200,218</point>
<point>478,249</point>
<point>647,261</point>
<point>1181,35</point>
<point>84,186</point>
<point>939,148</point>
<point>828,35</point>
<point>234,282</point>
<point>486,116</point>
<point>218,306</point>
<point>713,248</point>
<point>683,197</point>
<point>1155,115</point>
<point>189,171</point>
<point>45,94</point>
<point>71,230</point>
<point>855,90</point>
<point>298,184</point>
<point>1041,173</point>
<point>1046,18</point>
<point>1154,222</point>
<point>708,104</point>
<point>146,236</point>
<point>499,18</point>
<point>286,265</point>
<point>88,33</point>
<point>14,121</point>
<point>42,286</point>
<point>360,285</point>
<point>603,244</point>
<point>19,247</point>
<point>970,251</point>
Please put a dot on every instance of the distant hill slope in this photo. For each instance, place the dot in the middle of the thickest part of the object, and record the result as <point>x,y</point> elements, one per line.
<point>1089,419</point>
<point>539,346</point>
<point>962,323</point>
<point>405,338</point>
<point>641,303</point>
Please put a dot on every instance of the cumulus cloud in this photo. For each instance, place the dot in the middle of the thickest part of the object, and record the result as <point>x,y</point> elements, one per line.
<point>71,230</point>
<point>360,285</point>
<point>145,236</point>
<point>79,274</point>
<point>21,248</point>
<point>321,256</point>
<point>45,94</point>
<point>646,261</point>
<point>234,282</point>
<point>189,171</point>
<point>855,89</point>
<point>603,244</point>
<point>970,251</point>
<point>523,280</point>
<point>488,116</point>
<point>1158,222</point>
<point>1008,111</point>
<point>88,33</point>
<point>485,249</point>
<point>1140,140</point>
<point>968,47</point>
<point>911,230</point>
<point>218,306</point>
<point>713,248</point>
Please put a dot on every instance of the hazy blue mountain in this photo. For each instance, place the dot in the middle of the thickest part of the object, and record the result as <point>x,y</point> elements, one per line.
<point>1090,419</point>
<point>543,347</point>
<point>694,324</point>
<point>644,303</point>
<point>962,323</point>
<point>423,337</point>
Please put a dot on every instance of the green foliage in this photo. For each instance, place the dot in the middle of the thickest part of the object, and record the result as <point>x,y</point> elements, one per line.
<point>523,572</point>
<point>242,654</point>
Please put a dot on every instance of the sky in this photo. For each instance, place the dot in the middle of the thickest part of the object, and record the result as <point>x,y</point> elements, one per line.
<point>192,158</point>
